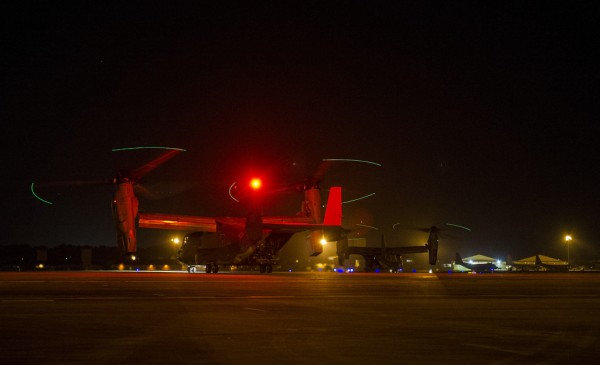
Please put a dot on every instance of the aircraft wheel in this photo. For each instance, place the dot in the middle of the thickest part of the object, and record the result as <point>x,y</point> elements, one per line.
<point>215,268</point>
<point>208,268</point>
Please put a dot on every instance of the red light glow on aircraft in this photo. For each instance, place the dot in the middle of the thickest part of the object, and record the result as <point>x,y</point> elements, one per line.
<point>255,183</point>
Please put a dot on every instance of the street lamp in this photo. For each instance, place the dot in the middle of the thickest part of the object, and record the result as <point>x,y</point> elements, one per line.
<point>568,239</point>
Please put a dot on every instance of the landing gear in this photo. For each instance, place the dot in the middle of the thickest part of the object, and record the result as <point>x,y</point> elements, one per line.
<point>265,268</point>
<point>211,267</point>
<point>266,254</point>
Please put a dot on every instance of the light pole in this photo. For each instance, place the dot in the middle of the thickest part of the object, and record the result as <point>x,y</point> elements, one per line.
<point>568,239</point>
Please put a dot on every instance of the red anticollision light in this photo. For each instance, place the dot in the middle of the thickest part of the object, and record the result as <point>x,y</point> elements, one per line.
<point>255,183</point>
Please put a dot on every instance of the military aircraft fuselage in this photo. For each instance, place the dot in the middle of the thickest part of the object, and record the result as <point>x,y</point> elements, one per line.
<point>229,245</point>
<point>384,261</point>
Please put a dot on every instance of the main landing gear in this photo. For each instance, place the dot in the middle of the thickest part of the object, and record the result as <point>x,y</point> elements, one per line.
<point>211,267</point>
<point>265,268</point>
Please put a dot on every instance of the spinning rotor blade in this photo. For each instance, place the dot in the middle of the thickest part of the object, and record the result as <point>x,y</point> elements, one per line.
<point>323,167</point>
<point>74,183</point>
<point>411,228</point>
<point>64,184</point>
<point>138,173</point>
<point>433,228</point>
<point>163,189</point>
<point>459,226</point>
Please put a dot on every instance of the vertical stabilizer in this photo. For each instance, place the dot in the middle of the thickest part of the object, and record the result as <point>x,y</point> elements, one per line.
<point>333,211</point>
<point>333,217</point>
<point>458,260</point>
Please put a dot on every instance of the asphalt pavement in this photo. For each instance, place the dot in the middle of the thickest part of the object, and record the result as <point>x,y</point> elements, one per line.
<point>298,318</point>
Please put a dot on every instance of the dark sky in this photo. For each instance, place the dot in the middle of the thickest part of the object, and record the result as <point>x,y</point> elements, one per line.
<point>482,114</point>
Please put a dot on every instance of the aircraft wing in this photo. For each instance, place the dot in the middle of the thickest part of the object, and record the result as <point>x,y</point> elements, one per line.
<point>295,224</point>
<point>372,251</point>
<point>406,249</point>
<point>298,227</point>
<point>209,224</point>
<point>275,220</point>
<point>177,222</point>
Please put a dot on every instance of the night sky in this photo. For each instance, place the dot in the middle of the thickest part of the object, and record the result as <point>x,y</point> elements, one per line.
<point>482,114</point>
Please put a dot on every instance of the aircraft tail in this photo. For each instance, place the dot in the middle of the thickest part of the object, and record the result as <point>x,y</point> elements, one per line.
<point>333,217</point>
<point>342,250</point>
<point>333,211</point>
<point>538,261</point>
<point>458,260</point>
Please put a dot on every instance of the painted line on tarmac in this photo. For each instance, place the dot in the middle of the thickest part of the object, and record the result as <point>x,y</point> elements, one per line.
<point>495,348</point>
<point>26,300</point>
<point>255,309</point>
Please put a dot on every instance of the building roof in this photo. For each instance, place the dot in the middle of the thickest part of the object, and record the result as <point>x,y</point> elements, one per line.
<point>481,258</point>
<point>543,258</point>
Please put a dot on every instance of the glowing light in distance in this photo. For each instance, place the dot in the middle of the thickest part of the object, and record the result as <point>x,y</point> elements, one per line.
<point>323,241</point>
<point>255,183</point>
<point>38,197</point>
<point>351,160</point>
<point>568,238</point>
<point>147,147</point>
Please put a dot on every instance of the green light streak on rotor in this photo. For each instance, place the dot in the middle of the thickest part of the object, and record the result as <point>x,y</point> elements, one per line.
<point>361,198</point>
<point>38,197</point>
<point>367,226</point>
<point>147,147</point>
<point>456,225</point>
<point>351,160</point>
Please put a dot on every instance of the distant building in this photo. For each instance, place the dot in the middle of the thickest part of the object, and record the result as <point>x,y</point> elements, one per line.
<point>529,264</point>
<point>479,259</point>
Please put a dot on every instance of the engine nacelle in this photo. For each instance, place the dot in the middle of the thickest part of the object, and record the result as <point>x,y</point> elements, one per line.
<point>125,212</point>
<point>313,243</point>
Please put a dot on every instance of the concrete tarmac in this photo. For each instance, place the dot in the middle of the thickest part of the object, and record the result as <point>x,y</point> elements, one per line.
<point>298,318</point>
